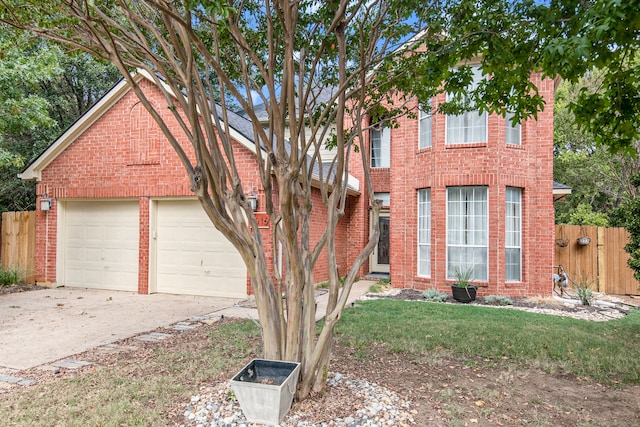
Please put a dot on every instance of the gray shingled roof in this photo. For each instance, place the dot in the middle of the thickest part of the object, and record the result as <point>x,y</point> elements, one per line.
<point>323,96</point>
<point>559,186</point>
<point>238,123</point>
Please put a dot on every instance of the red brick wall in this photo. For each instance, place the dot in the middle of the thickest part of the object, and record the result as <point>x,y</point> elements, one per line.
<point>493,164</point>
<point>124,155</point>
<point>318,226</point>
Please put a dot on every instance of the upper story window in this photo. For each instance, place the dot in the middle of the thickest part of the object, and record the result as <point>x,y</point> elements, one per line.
<point>380,147</point>
<point>424,125</point>
<point>513,133</point>
<point>470,126</point>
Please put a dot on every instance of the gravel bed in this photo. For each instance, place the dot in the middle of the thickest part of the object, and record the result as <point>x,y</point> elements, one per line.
<point>378,407</point>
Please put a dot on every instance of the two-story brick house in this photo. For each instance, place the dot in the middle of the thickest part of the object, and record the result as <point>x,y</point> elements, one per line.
<point>466,191</point>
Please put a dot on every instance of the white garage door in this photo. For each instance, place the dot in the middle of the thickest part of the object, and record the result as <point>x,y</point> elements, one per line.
<point>100,244</point>
<point>194,258</point>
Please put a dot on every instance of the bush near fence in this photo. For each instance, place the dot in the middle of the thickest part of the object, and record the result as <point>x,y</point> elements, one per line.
<point>602,262</point>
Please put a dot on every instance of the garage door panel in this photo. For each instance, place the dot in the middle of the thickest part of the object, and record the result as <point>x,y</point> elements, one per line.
<point>101,245</point>
<point>93,233</point>
<point>192,256</point>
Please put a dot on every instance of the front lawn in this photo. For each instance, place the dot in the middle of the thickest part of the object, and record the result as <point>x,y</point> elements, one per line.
<point>151,383</point>
<point>607,352</point>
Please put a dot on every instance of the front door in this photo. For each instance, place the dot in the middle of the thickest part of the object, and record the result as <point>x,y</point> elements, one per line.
<point>380,257</point>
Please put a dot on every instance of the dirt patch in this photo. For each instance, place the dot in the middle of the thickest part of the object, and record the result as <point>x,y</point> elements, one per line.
<point>444,391</point>
<point>19,288</point>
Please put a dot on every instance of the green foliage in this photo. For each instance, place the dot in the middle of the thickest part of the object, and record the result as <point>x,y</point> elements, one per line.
<point>325,285</point>
<point>25,65</point>
<point>11,275</point>
<point>434,295</point>
<point>584,215</point>
<point>42,91</point>
<point>584,292</point>
<point>598,178</point>
<point>602,34</point>
<point>462,276</point>
<point>628,216</point>
<point>498,300</point>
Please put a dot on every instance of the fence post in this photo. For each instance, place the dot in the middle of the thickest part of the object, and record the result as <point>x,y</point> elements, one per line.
<point>602,253</point>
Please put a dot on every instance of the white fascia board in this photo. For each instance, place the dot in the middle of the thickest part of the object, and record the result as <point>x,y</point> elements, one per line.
<point>353,184</point>
<point>559,193</point>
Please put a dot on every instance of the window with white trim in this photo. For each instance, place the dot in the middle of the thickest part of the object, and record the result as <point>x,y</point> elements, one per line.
<point>468,232</point>
<point>424,232</point>
<point>513,238</point>
<point>380,147</point>
<point>469,126</point>
<point>513,132</point>
<point>424,125</point>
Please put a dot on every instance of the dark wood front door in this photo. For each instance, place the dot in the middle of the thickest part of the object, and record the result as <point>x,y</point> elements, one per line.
<point>381,254</point>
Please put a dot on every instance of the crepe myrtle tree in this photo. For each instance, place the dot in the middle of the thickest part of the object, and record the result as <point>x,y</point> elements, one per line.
<point>207,57</point>
<point>374,57</point>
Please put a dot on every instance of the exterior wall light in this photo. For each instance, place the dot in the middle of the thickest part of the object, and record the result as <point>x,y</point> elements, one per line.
<point>45,203</point>
<point>253,200</point>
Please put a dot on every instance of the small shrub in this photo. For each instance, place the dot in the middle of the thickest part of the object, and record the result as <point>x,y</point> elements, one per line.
<point>379,286</point>
<point>325,285</point>
<point>498,300</point>
<point>434,296</point>
<point>584,293</point>
<point>10,275</point>
<point>322,285</point>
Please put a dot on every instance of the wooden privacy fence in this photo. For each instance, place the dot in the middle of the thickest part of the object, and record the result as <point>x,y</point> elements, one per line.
<point>18,242</point>
<point>602,262</point>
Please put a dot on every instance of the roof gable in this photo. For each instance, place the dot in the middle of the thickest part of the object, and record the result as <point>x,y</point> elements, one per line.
<point>240,128</point>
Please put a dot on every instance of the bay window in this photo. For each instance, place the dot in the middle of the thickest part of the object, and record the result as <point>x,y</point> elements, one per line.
<point>468,231</point>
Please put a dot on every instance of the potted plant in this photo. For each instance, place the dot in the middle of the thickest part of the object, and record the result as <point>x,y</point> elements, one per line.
<point>265,389</point>
<point>462,290</point>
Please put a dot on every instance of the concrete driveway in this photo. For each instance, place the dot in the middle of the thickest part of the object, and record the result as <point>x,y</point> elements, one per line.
<point>40,327</point>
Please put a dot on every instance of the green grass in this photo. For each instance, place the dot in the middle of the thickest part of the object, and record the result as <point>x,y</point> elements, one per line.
<point>325,285</point>
<point>11,275</point>
<point>379,286</point>
<point>607,352</point>
<point>135,392</point>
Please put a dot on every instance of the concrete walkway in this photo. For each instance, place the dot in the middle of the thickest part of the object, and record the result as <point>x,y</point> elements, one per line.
<point>41,327</point>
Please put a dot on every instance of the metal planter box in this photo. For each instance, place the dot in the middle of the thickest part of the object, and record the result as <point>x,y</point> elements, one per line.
<point>265,389</point>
